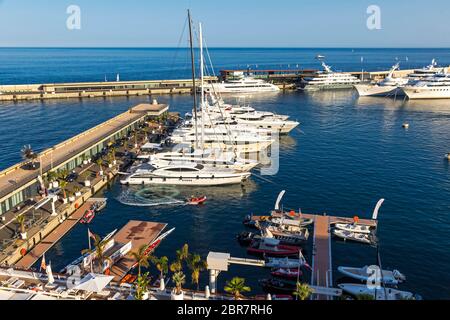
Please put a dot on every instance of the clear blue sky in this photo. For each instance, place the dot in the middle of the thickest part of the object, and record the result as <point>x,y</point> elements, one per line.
<point>228,23</point>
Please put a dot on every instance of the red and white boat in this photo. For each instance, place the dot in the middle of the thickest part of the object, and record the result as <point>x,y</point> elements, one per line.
<point>271,247</point>
<point>196,201</point>
<point>286,273</point>
<point>88,216</point>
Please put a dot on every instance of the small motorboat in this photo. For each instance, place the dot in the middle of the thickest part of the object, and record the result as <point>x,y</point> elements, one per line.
<point>276,285</point>
<point>377,293</point>
<point>363,274</point>
<point>286,235</point>
<point>98,205</point>
<point>275,297</point>
<point>271,247</point>
<point>245,238</point>
<point>285,263</point>
<point>358,237</point>
<point>254,222</point>
<point>291,274</point>
<point>195,201</point>
<point>88,216</point>
<point>353,227</point>
<point>288,221</point>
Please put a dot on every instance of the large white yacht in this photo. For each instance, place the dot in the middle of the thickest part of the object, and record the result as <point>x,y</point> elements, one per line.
<point>191,174</point>
<point>435,87</point>
<point>389,86</point>
<point>240,84</point>
<point>328,79</point>
<point>208,158</point>
<point>214,138</point>
<point>425,72</point>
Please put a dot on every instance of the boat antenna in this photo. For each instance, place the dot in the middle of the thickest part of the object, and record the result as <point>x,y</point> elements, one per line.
<point>194,87</point>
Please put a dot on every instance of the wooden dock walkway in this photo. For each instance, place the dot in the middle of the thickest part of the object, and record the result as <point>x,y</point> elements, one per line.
<point>139,233</point>
<point>321,264</point>
<point>32,256</point>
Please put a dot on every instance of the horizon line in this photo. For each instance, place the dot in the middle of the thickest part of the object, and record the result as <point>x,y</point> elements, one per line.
<point>213,47</point>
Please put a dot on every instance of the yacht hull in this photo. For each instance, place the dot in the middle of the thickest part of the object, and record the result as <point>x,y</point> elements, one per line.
<point>427,93</point>
<point>367,90</point>
<point>187,181</point>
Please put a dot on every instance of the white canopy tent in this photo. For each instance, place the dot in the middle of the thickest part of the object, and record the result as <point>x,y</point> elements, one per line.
<point>94,282</point>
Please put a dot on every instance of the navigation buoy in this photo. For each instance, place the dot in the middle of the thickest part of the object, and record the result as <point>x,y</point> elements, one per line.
<point>405,125</point>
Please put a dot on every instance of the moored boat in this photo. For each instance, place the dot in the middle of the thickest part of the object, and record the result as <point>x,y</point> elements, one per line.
<point>285,263</point>
<point>353,227</point>
<point>377,293</point>
<point>88,216</point>
<point>271,247</point>
<point>358,237</point>
<point>292,273</point>
<point>276,285</point>
<point>363,274</point>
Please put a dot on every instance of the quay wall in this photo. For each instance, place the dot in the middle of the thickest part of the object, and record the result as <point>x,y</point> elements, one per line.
<point>286,80</point>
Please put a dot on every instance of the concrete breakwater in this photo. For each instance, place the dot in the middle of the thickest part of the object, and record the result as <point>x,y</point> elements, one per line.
<point>286,80</point>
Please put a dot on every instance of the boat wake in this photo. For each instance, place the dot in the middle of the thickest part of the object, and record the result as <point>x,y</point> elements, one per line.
<point>146,197</point>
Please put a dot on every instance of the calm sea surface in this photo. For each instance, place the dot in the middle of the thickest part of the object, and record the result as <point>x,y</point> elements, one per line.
<point>347,153</point>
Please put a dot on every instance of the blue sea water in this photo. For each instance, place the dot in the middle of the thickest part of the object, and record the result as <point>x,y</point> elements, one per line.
<point>347,153</point>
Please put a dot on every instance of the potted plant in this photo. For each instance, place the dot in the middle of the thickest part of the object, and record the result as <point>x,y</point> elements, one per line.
<point>85,177</point>
<point>142,284</point>
<point>196,264</point>
<point>51,177</point>
<point>99,162</point>
<point>113,155</point>
<point>77,191</point>
<point>236,286</point>
<point>302,291</point>
<point>63,184</point>
<point>71,197</point>
<point>162,265</point>
<point>85,159</point>
<point>21,221</point>
<point>179,279</point>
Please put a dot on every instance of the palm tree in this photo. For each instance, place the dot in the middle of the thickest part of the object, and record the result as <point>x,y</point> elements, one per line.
<point>113,153</point>
<point>62,185</point>
<point>99,162</point>
<point>236,286</point>
<point>182,254</point>
<point>364,297</point>
<point>196,265</point>
<point>302,291</point>
<point>142,285</point>
<point>63,174</point>
<point>29,154</point>
<point>21,221</point>
<point>179,279</point>
<point>161,264</point>
<point>141,257</point>
<point>99,249</point>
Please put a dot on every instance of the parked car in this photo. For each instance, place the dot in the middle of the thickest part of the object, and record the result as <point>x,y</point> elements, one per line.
<point>72,177</point>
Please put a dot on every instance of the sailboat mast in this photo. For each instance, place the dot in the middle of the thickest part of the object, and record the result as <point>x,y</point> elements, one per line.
<point>202,102</point>
<point>194,88</point>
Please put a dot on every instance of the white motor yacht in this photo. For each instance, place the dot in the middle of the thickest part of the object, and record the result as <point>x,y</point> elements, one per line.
<point>241,84</point>
<point>191,174</point>
<point>328,79</point>
<point>389,86</point>
<point>435,87</point>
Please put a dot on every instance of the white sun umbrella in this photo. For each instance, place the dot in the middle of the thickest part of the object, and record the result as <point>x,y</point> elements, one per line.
<point>48,270</point>
<point>94,282</point>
